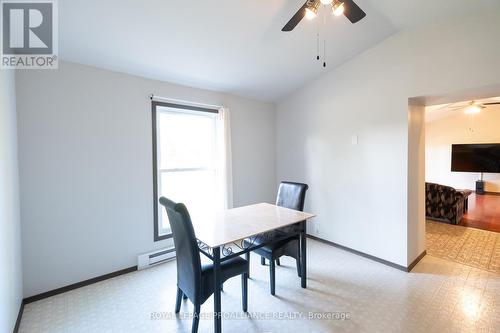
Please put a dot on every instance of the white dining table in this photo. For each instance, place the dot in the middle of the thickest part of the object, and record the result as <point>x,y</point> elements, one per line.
<point>238,231</point>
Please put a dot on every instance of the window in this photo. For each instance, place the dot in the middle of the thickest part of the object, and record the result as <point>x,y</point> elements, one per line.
<point>188,161</point>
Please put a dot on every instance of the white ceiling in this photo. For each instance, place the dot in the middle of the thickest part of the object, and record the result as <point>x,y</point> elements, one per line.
<point>233,46</point>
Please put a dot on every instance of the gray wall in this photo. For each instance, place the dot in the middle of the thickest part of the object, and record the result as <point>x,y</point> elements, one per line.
<point>361,193</point>
<point>86,174</point>
<point>11,280</point>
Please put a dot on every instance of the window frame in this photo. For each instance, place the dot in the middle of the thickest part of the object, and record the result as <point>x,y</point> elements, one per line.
<point>156,171</point>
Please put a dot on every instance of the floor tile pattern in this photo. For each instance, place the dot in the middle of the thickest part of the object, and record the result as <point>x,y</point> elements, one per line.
<point>469,246</point>
<point>348,292</point>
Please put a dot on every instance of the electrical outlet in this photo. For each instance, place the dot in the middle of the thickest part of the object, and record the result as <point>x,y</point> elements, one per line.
<point>316,227</point>
<point>354,140</point>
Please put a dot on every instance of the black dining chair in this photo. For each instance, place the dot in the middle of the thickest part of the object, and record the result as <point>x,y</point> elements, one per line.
<point>290,195</point>
<point>194,279</point>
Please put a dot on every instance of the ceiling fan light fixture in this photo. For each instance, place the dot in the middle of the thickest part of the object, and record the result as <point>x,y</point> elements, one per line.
<point>473,109</point>
<point>311,13</point>
<point>309,10</point>
<point>312,10</point>
<point>337,8</point>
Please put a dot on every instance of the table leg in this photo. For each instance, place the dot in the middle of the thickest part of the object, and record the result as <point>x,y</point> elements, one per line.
<point>217,287</point>
<point>303,256</point>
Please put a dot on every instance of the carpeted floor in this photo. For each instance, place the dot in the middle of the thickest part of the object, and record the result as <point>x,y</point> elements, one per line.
<point>469,246</point>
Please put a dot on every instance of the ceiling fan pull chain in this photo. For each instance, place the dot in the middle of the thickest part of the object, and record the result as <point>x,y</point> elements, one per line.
<point>324,40</point>
<point>324,52</point>
<point>317,40</point>
<point>317,46</point>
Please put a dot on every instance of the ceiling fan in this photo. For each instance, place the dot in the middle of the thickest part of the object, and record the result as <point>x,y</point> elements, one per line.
<point>310,10</point>
<point>473,107</point>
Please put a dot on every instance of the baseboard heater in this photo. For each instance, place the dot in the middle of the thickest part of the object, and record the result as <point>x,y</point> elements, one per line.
<point>155,258</point>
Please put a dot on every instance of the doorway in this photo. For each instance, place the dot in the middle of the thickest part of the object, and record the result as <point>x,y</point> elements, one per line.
<point>462,223</point>
<point>462,163</point>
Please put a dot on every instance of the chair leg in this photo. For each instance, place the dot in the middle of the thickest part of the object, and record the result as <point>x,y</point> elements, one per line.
<point>196,318</point>
<point>244,292</point>
<point>178,300</point>
<point>262,261</point>
<point>247,257</point>
<point>297,261</point>
<point>278,262</point>
<point>271,276</point>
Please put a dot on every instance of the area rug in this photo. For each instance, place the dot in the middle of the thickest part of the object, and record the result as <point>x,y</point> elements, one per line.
<point>468,246</point>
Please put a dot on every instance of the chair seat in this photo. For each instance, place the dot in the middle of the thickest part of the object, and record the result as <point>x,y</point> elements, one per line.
<point>228,269</point>
<point>277,249</point>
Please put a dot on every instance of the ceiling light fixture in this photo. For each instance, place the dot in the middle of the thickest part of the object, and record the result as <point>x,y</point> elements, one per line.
<point>473,109</point>
<point>337,7</point>
<point>312,10</point>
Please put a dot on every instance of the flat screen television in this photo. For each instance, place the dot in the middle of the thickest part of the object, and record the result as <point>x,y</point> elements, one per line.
<point>483,157</point>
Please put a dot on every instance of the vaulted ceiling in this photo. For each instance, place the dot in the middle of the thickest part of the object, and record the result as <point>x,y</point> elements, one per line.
<point>234,46</point>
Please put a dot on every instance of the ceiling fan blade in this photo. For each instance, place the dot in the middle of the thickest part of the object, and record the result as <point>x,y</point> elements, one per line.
<point>299,15</point>
<point>492,103</point>
<point>446,106</point>
<point>352,11</point>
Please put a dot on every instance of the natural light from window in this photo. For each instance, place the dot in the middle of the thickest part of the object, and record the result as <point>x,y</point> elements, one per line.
<point>187,162</point>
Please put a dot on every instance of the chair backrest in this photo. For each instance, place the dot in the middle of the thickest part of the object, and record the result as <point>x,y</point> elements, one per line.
<point>186,248</point>
<point>292,195</point>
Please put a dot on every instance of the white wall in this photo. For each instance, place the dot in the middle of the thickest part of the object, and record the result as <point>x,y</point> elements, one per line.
<point>360,192</point>
<point>86,174</point>
<point>460,128</point>
<point>416,180</point>
<point>11,279</point>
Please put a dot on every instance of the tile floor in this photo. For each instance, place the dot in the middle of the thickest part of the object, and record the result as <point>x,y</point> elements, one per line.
<point>437,296</point>
<point>469,246</point>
